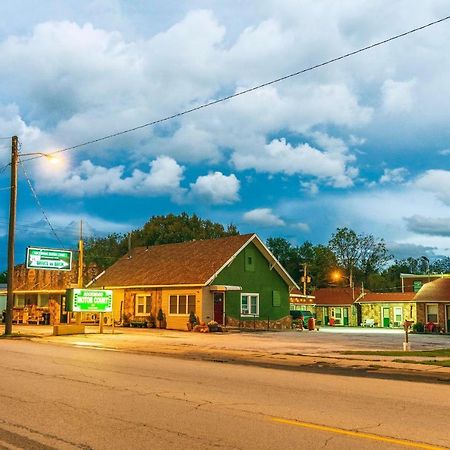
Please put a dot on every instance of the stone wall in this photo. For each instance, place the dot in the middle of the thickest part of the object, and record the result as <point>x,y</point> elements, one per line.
<point>281,324</point>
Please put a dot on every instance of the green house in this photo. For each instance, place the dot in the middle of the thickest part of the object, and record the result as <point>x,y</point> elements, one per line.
<point>234,281</point>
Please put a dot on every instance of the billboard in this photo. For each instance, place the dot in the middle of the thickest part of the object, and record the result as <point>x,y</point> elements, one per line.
<point>89,300</point>
<point>48,259</point>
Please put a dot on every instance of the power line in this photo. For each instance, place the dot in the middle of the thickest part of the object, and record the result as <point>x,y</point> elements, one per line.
<point>246,91</point>
<point>37,199</point>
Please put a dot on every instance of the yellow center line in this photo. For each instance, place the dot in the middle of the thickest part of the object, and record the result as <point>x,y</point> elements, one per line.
<point>357,434</point>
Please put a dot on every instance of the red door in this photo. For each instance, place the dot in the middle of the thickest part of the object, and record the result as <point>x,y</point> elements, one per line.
<point>218,307</point>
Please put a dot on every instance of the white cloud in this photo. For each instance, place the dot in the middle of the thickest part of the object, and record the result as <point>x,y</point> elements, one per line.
<point>302,227</point>
<point>398,96</point>
<point>216,188</point>
<point>437,182</point>
<point>397,175</point>
<point>91,180</point>
<point>263,217</point>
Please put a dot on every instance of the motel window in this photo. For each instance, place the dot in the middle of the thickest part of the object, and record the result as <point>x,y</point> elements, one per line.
<point>432,313</point>
<point>249,304</point>
<point>143,305</point>
<point>398,316</point>
<point>181,304</point>
<point>42,300</point>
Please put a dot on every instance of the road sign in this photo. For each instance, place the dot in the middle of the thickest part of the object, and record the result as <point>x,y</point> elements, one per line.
<point>89,300</point>
<point>48,259</point>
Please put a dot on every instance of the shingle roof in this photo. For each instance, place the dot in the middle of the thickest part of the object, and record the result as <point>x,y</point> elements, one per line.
<point>387,297</point>
<point>434,291</point>
<point>186,263</point>
<point>336,296</point>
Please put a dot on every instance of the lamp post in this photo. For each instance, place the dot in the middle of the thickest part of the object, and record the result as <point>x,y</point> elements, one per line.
<point>12,230</point>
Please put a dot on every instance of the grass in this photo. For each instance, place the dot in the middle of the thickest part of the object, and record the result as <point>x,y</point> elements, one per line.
<point>442,363</point>
<point>432,353</point>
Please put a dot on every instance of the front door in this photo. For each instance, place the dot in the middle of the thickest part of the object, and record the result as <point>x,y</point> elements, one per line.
<point>345,310</point>
<point>448,319</point>
<point>218,307</point>
<point>386,317</point>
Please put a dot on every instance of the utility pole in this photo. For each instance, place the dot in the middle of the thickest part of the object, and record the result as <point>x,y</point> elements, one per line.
<point>11,235</point>
<point>304,278</point>
<point>80,268</point>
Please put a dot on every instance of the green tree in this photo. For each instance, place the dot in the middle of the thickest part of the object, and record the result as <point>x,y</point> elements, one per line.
<point>358,254</point>
<point>158,230</point>
<point>3,276</point>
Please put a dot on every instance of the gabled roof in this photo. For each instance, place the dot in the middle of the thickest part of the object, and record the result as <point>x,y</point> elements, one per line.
<point>386,297</point>
<point>336,296</point>
<point>193,263</point>
<point>434,291</point>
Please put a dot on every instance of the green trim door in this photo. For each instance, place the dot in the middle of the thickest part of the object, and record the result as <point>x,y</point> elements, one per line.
<point>386,317</point>
<point>345,310</point>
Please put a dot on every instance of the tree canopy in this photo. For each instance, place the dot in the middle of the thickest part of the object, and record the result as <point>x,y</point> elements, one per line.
<point>104,251</point>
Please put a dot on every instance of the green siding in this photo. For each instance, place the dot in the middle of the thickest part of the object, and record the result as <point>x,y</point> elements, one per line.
<point>249,259</point>
<point>261,280</point>
<point>276,298</point>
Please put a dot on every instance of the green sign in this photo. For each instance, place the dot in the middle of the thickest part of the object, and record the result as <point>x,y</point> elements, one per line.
<point>417,285</point>
<point>89,300</point>
<point>48,259</point>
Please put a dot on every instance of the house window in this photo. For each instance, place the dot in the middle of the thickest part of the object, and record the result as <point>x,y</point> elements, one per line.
<point>398,316</point>
<point>143,305</point>
<point>432,313</point>
<point>249,304</point>
<point>181,304</point>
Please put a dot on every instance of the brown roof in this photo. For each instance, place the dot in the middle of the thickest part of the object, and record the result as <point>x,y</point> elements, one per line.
<point>387,297</point>
<point>336,296</point>
<point>186,263</point>
<point>434,291</point>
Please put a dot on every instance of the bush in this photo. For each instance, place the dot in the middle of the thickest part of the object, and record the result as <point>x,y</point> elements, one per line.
<point>418,327</point>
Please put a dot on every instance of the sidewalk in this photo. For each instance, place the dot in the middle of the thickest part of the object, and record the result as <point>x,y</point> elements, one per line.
<point>290,349</point>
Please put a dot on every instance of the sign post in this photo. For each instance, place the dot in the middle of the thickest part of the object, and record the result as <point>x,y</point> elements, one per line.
<point>48,259</point>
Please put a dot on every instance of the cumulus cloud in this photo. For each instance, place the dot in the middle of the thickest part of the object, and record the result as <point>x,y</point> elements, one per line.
<point>398,96</point>
<point>302,227</point>
<point>434,226</point>
<point>437,182</point>
<point>279,156</point>
<point>397,175</point>
<point>216,188</point>
<point>92,180</point>
<point>263,217</point>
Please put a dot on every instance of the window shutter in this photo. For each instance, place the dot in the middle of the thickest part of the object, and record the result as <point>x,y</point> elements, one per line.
<point>276,298</point>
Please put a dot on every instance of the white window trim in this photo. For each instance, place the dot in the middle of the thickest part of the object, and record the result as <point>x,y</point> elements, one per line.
<point>145,313</point>
<point>250,294</point>
<point>426,311</point>
<point>178,304</point>
<point>400,322</point>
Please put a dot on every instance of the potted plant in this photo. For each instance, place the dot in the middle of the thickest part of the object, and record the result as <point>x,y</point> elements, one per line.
<point>192,321</point>
<point>213,326</point>
<point>151,322</point>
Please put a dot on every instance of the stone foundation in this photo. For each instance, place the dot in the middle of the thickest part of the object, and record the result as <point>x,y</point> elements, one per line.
<point>281,324</point>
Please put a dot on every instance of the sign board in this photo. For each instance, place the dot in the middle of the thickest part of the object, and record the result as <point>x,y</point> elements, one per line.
<point>48,259</point>
<point>89,300</point>
<point>417,285</point>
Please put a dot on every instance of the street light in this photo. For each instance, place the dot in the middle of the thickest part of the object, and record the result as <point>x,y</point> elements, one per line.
<point>11,229</point>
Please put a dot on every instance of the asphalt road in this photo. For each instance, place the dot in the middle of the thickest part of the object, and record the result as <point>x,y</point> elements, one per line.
<point>67,397</point>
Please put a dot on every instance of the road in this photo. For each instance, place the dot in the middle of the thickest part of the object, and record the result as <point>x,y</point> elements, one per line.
<point>70,397</point>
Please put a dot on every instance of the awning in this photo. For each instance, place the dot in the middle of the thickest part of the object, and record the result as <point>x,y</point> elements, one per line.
<point>223,288</point>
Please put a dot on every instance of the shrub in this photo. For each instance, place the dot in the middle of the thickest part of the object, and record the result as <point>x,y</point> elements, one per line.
<point>418,327</point>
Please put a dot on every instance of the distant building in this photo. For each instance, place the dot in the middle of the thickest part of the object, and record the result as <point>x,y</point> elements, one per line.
<point>412,282</point>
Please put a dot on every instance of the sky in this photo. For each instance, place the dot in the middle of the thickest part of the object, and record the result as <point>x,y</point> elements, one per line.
<point>361,143</point>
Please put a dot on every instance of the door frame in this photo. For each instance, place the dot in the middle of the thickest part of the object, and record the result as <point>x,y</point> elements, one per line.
<point>447,317</point>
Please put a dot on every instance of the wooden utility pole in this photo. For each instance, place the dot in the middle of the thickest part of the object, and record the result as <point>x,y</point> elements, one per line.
<point>80,268</point>
<point>304,278</point>
<point>11,235</point>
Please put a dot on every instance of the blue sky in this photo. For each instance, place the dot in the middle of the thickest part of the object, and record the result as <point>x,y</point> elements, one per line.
<point>363,143</point>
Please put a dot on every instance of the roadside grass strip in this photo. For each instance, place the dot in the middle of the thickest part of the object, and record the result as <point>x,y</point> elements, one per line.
<point>357,434</point>
<point>435,362</point>
<point>432,353</point>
